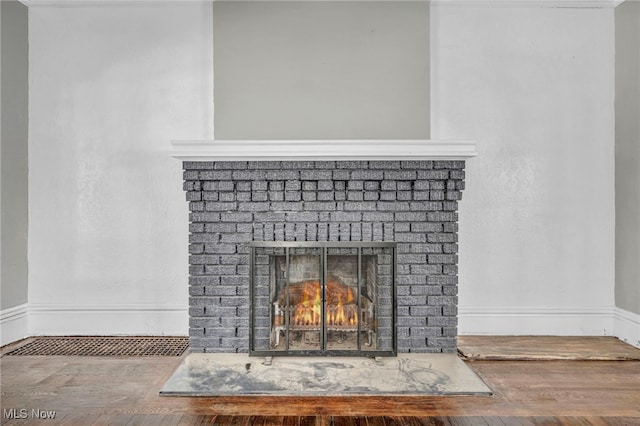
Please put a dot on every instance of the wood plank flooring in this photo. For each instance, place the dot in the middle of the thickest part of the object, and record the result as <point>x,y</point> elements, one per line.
<point>539,348</point>
<point>124,391</point>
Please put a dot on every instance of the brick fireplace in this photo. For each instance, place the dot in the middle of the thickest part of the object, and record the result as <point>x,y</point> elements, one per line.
<point>364,192</point>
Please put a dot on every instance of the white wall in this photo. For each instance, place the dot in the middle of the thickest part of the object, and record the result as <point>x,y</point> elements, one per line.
<point>628,171</point>
<point>109,88</point>
<point>13,171</point>
<point>321,70</point>
<point>535,88</point>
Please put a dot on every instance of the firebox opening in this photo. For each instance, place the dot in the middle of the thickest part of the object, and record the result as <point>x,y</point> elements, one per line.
<point>322,299</point>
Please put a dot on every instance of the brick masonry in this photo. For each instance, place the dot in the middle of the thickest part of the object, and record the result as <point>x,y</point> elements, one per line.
<point>412,203</point>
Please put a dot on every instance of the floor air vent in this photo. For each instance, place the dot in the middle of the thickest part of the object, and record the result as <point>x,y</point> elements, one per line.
<point>103,346</point>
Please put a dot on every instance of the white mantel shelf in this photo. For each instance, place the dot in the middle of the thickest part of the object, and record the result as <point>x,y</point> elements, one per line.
<point>322,150</point>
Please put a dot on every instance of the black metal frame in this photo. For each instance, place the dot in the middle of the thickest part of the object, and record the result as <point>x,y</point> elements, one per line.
<point>324,245</point>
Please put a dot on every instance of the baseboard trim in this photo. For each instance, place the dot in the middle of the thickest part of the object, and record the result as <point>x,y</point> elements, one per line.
<point>130,319</point>
<point>595,321</point>
<point>143,319</point>
<point>14,324</point>
<point>626,326</point>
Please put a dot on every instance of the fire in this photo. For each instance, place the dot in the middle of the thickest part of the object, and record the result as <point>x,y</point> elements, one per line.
<point>307,312</point>
<point>341,309</point>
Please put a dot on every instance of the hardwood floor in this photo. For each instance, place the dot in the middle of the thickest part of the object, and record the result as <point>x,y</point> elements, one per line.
<point>124,391</point>
<point>543,348</point>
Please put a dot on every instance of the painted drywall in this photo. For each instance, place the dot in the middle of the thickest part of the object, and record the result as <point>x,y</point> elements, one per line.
<point>0,157</point>
<point>110,87</point>
<point>14,169</point>
<point>627,290</point>
<point>535,88</point>
<point>321,70</point>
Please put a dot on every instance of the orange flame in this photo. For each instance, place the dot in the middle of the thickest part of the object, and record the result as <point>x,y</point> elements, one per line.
<point>341,309</point>
<point>308,310</point>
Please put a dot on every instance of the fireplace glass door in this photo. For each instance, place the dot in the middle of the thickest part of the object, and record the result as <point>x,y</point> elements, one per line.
<point>322,298</point>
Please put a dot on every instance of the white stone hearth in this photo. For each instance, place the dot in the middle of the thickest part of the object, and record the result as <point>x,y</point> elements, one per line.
<point>409,374</point>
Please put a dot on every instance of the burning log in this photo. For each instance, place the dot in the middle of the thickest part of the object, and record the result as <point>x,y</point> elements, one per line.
<point>301,292</point>
<point>305,300</point>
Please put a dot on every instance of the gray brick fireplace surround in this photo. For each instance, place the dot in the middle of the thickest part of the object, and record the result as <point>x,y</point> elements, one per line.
<point>412,203</point>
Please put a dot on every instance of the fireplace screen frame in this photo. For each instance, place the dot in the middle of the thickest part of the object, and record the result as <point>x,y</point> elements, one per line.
<point>324,248</point>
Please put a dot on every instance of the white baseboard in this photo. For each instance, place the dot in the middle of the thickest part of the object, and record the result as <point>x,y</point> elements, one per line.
<point>131,319</point>
<point>595,321</point>
<point>14,324</point>
<point>626,326</point>
<point>51,319</point>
